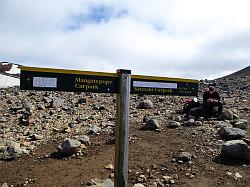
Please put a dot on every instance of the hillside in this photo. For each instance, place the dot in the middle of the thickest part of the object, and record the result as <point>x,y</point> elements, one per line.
<point>241,73</point>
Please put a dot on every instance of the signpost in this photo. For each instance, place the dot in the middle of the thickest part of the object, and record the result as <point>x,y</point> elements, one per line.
<point>122,83</point>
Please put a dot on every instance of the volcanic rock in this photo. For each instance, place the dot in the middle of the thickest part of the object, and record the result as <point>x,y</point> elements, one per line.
<point>174,124</point>
<point>227,114</point>
<point>230,133</point>
<point>241,124</point>
<point>94,129</point>
<point>69,146</point>
<point>185,156</point>
<point>11,150</point>
<point>220,124</point>
<point>145,104</point>
<point>57,102</point>
<point>101,183</point>
<point>152,124</point>
<point>82,100</point>
<point>236,149</point>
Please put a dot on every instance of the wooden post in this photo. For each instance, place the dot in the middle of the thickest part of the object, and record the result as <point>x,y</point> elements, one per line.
<point>122,128</point>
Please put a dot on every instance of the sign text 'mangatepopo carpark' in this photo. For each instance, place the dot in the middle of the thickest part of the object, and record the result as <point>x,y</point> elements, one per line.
<point>48,79</point>
<point>67,80</point>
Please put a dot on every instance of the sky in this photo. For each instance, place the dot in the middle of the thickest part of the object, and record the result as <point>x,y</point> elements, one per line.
<point>195,39</point>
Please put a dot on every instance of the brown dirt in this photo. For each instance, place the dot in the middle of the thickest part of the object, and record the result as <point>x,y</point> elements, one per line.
<point>148,150</point>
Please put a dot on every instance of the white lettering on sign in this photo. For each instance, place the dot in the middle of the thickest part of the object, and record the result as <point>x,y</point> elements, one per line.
<point>154,84</point>
<point>44,82</point>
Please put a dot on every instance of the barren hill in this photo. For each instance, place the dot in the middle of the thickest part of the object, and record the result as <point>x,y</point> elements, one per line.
<point>241,73</point>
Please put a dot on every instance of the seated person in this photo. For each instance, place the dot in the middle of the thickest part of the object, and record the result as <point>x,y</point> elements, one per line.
<point>211,99</point>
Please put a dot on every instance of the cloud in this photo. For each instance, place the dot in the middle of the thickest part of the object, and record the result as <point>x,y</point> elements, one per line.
<point>192,39</point>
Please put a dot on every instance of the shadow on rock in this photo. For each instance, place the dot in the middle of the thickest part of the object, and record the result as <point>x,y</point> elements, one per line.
<point>230,161</point>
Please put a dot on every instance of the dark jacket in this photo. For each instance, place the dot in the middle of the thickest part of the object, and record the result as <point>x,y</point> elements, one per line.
<point>208,95</point>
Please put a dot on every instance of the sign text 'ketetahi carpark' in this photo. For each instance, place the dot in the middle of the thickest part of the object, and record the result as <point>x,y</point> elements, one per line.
<point>48,79</point>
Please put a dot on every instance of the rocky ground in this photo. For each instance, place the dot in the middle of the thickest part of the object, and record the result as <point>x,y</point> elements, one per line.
<point>67,139</point>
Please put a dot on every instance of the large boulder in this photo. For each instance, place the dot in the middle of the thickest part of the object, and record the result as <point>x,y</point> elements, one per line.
<point>145,104</point>
<point>11,150</point>
<point>230,133</point>
<point>236,149</point>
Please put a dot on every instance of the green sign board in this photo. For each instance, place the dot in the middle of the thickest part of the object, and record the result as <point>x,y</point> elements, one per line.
<point>48,79</point>
<point>163,86</point>
<point>67,80</point>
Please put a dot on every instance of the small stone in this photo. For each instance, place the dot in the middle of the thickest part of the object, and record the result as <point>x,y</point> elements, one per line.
<point>69,146</point>
<point>57,102</point>
<point>82,100</point>
<point>35,137</point>
<point>95,130</point>
<point>138,185</point>
<point>221,124</point>
<point>3,119</point>
<point>152,124</point>
<point>145,104</point>
<point>11,150</point>
<point>174,124</point>
<point>109,166</point>
<point>227,114</point>
<point>241,124</point>
<point>84,139</point>
<point>237,175</point>
<point>185,156</point>
<point>189,123</point>
<point>167,179</point>
<point>105,183</point>
<point>171,181</point>
<point>153,185</point>
<point>112,175</point>
<point>4,185</point>
<point>146,118</point>
<point>191,176</point>
<point>142,178</point>
<point>28,106</point>
<point>198,123</point>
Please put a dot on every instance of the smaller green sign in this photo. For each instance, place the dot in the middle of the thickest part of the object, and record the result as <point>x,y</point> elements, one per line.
<point>150,85</point>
